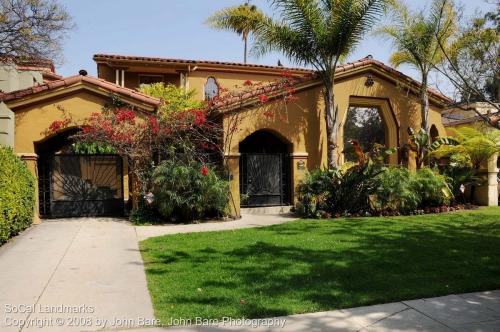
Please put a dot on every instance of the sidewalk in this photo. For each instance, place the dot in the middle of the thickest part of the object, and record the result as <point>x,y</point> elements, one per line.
<point>473,312</point>
<point>246,221</point>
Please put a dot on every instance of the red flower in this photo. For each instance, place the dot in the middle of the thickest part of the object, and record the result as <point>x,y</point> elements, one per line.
<point>248,83</point>
<point>153,123</point>
<point>263,98</point>
<point>199,118</point>
<point>204,170</point>
<point>125,116</point>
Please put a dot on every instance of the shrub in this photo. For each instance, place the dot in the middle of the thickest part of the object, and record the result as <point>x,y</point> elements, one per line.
<point>17,195</point>
<point>431,187</point>
<point>350,191</point>
<point>395,191</point>
<point>339,191</point>
<point>313,192</point>
<point>371,188</point>
<point>145,215</point>
<point>189,191</point>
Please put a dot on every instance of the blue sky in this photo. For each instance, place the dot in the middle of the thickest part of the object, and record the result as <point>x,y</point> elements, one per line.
<point>176,29</point>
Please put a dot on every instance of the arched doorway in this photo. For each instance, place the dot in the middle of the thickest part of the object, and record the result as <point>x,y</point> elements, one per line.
<point>264,170</point>
<point>77,185</point>
<point>434,134</point>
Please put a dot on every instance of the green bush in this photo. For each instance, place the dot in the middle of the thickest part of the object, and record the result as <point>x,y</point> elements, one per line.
<point>431,187</point>
<point>185,192</point>
<point>371,188</point>
<point>395,191</point>
<point>17,195</point>
<point>338,191</point>
<point>313,192</point>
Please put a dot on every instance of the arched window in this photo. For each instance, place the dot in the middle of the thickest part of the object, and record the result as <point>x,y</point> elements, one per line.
<point>211,88</point>
<point>365,125</point>
<point>434,133</point>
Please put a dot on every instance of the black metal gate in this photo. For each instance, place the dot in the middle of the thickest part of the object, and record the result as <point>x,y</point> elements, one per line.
<point>81,185</point>
<point>264,179</point>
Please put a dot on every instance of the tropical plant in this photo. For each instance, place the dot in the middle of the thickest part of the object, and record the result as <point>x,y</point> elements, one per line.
<point>473,150</point>
<point>312,193</point>
<point>242,19</point>
<point>431,187</point>
<point>344,190</point>
<point>474,146</point>
<point>420,143</point>
<point>188,192</point>
<point>319,34</point>
<point>395,192</point>
<point>418,38</point>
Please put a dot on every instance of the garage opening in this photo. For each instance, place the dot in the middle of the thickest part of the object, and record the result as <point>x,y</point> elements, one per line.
<point>73,185</point>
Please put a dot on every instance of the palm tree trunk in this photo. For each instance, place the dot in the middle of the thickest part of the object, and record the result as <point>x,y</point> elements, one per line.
<point>245,41</point>
<point>331,125</point>
<point>424,104</point>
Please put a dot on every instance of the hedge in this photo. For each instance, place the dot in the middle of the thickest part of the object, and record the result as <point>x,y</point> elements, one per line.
<point>17,195</point>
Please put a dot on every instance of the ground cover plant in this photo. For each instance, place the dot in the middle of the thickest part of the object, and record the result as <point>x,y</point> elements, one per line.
<point>310,265</point>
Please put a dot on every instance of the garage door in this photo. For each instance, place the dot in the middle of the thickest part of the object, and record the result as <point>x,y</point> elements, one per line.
<point>81,186</point>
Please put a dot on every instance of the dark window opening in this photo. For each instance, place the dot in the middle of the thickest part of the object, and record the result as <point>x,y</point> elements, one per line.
<point>365,125</point>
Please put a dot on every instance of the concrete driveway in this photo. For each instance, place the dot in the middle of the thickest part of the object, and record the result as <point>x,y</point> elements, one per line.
<point>81,274</point>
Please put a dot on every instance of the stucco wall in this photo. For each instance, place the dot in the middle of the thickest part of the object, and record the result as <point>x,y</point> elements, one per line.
<point>197,79</point>
<point>12,79</point>
<point>302,124</point>
<point>33,120</point>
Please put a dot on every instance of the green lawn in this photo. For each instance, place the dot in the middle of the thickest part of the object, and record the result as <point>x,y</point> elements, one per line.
<point>316,265</point>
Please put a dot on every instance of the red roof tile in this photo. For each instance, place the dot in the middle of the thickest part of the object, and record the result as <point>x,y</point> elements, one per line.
<point>340,69</point>
<point>111,57</point>
<point>72,80</point>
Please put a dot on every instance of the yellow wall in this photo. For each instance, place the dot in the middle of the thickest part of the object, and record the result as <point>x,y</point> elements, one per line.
<point>303,125</point>
<point>197,79</point>
<point>32,121</point>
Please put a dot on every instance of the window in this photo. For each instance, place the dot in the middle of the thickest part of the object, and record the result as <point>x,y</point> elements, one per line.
<point>150,79</point>
<point>211,88</point>
<point>364,125</point>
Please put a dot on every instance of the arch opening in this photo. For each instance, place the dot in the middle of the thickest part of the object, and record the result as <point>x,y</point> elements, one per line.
<point>73,185</point>
<point>265,170</point>
<point>366,126</point>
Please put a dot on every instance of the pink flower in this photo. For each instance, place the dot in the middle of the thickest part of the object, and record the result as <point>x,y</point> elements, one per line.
<point>263,98</point>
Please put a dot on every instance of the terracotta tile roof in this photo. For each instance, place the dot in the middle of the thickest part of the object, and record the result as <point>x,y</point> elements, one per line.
<point>49,76</point>
<point>114,57</point>
<point>345,68</point>
<point>367,61</point>
<point>495,120</point>
<point>370,61</point>
<point>30,63</point>
<point>72,80</point>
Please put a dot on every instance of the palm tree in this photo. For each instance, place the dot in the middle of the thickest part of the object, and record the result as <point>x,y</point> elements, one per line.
<point>319,33</point>
<point>417,38</point>
<point>242,19</point>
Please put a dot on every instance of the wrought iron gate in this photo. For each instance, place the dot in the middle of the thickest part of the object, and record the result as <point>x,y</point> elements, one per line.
<point>264,179</point>
<point>82,185</point>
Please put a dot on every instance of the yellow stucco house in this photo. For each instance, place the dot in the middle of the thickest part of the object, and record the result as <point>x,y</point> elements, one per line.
<point>267,156</point>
